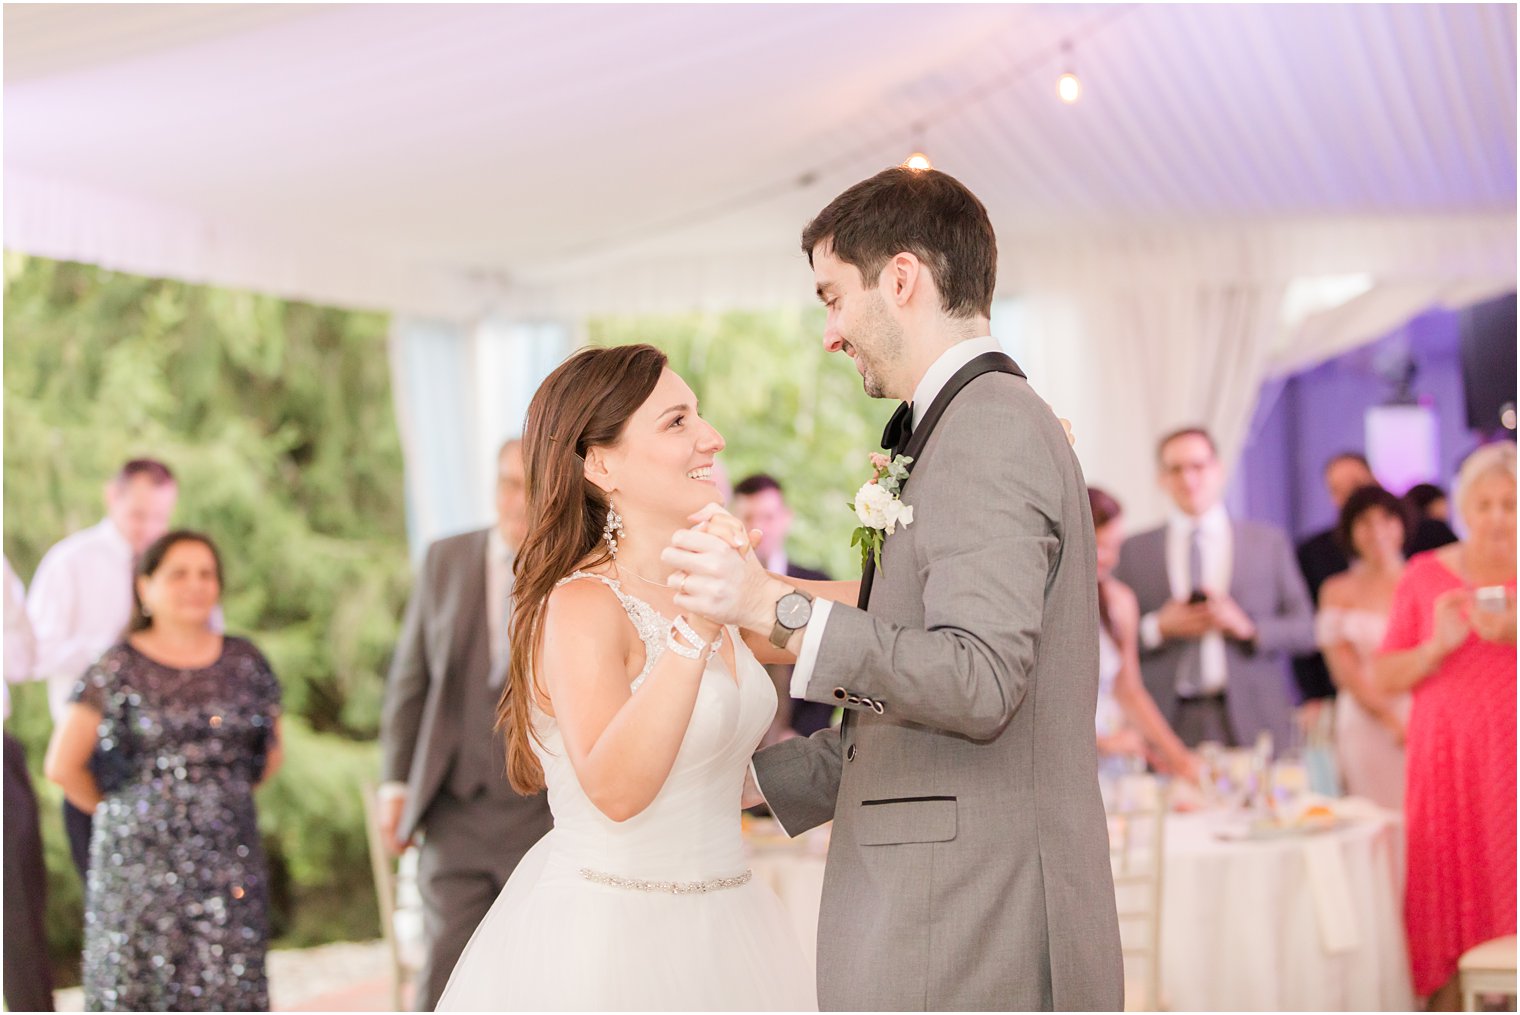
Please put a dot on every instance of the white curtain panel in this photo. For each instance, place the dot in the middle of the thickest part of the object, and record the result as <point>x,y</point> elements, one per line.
<point>1134,335</point>
<point>460,390</point>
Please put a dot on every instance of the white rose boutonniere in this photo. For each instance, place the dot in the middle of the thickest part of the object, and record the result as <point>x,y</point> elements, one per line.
<point>879,507</point>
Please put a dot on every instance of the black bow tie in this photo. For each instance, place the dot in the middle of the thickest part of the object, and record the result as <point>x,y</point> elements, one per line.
<point>899,428</point>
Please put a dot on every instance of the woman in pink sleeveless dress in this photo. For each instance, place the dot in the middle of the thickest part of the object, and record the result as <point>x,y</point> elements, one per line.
<point>1451,639</point>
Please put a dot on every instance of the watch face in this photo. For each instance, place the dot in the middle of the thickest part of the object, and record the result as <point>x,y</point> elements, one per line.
<point>793,610</point>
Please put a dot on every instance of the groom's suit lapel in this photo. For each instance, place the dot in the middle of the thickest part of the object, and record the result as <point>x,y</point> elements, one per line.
<point>986,363</point>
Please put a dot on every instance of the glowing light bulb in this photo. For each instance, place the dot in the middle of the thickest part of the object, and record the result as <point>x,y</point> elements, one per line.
<point>918,160</point>
<point>1069,88</point>
<point>1507,416</point>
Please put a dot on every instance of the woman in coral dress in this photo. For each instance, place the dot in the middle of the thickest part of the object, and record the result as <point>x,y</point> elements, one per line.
<point>1451,639</point>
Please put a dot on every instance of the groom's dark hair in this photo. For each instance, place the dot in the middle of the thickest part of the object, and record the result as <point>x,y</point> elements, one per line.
<point>925,212</point>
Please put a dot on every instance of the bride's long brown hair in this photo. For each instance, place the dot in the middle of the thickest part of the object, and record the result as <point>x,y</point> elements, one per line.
<point>584,403</point>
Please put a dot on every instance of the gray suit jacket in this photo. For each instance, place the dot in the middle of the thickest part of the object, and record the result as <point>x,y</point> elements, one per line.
<point>968,867</point>
<point>1266,583</point>
<point>435,728</point>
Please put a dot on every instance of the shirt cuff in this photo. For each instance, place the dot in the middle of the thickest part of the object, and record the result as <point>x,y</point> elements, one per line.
<point>389,791</point>
<point>1150,632</point>
<point>807,655</point>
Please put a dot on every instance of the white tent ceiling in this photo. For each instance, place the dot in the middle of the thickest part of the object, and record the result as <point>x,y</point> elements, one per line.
<point>557,159</point>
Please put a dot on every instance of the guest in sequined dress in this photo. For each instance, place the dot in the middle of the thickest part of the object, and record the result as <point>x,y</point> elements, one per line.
<point>164,740</point>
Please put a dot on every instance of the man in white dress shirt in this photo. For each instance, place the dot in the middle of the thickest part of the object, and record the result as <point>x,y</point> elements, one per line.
<point>81,595</point>
<point>1223,606</point>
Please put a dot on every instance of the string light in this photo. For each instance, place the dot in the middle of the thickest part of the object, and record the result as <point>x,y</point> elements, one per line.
<point>1069,88</point>
<point>956,105</point>
<point>918,160</point>
<point>1068,85</point>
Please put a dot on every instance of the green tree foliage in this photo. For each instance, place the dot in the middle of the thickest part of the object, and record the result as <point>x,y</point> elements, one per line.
<point>277,419</point>
<point>783,405</point>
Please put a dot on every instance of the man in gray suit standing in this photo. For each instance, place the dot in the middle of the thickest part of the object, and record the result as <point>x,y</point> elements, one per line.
<point>1223,606</point>
<point>968,865</point>
<point>444,763</point>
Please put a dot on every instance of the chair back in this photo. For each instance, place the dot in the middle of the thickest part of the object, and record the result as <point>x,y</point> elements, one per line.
<point>383,868</point>
<point>1137,854</point>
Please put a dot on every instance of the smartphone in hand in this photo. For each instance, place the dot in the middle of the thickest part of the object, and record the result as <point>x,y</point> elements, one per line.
<point>1491,598</point>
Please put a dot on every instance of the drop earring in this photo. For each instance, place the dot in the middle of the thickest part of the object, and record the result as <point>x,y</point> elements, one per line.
<point>612,531</point>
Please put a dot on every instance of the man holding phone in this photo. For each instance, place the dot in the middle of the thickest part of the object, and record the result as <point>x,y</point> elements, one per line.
<point>1223,606</point>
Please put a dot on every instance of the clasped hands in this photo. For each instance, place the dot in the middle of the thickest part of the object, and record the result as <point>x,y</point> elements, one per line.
<point>717,575</point>
<point>1179,619</point>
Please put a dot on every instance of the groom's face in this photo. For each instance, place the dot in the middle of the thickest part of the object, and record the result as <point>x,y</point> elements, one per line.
<point>858,323</point>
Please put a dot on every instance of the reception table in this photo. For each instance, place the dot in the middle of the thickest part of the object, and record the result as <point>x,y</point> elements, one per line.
<point>1303,922</point>
<point>1300,922</point>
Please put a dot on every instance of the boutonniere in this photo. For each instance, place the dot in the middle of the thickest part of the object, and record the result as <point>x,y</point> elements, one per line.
<point>879,507</point>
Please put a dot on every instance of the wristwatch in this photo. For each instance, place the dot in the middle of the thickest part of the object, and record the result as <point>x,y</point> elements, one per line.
<point>793,611</point>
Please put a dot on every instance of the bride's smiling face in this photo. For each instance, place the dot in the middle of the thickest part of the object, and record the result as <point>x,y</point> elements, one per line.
<point>664,462</point>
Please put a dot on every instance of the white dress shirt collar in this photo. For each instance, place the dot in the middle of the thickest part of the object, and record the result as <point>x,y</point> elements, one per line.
<point>496,545</point>
<point>498,588</point>
<point>942,369</point>
<point>111,538</point>
<point>1216,519</point>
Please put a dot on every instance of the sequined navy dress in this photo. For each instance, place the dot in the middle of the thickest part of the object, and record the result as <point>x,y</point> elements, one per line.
<point>177,905</point>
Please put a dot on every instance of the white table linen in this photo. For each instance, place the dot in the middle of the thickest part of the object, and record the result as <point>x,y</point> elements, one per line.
<point>1297,923</point>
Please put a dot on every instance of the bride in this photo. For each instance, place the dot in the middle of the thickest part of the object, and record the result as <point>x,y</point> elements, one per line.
<point>638,721</point>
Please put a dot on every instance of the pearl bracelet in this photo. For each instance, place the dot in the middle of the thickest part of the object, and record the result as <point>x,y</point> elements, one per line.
<point>702,648</point>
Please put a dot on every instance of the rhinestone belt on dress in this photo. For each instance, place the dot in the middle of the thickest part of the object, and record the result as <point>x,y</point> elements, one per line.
<point>668,887</point>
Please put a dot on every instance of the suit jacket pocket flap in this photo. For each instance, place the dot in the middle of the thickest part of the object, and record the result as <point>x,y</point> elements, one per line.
<point>907,819</point>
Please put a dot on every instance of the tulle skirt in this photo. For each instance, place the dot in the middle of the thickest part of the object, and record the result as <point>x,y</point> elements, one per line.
<point>554,941</point>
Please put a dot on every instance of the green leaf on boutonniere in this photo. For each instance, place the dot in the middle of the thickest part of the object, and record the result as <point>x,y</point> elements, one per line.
<point>869,540</point>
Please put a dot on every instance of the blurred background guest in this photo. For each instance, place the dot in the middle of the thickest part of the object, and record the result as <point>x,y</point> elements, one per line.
<point>1431,524</point>
<point>164,740</point>
<point>1223,606</point>
<point>1451,638</point>
<point>444,762</point>
<point>1350,625</point>
<point>81,596</point>
<point>1322,555</point>
<point>760,503</point>
<point>1427,500</point>
<point>1128,723</point>
<point>28,977</point>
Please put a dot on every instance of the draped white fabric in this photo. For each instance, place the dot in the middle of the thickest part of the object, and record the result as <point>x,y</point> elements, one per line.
<point>559,160</point>
<point>1133,335</point>
<point>466,163</point>
<point>459,392</point>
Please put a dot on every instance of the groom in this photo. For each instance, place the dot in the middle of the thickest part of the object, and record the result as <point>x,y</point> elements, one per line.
<point>968,866</point>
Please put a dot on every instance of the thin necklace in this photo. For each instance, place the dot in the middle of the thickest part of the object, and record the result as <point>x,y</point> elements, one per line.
<point>648,581</point>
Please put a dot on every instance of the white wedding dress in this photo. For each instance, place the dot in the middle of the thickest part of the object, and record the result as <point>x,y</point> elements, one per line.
<point>657,912</point>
